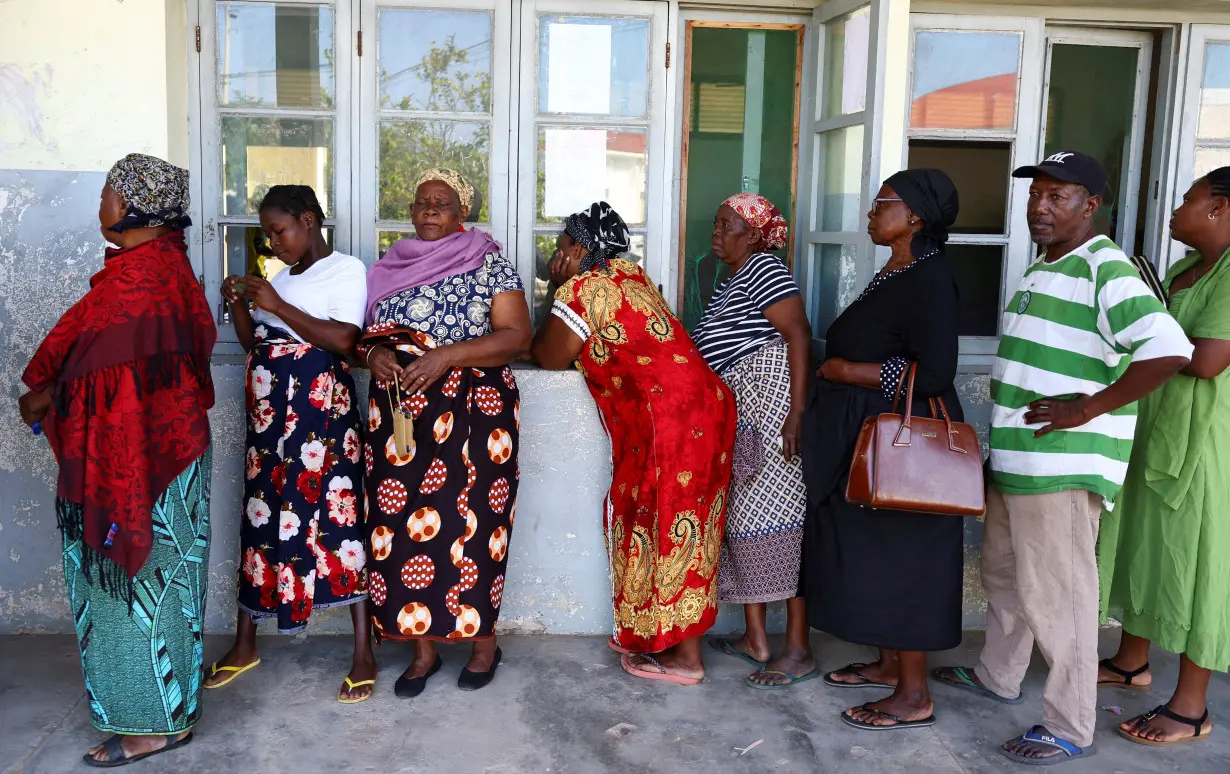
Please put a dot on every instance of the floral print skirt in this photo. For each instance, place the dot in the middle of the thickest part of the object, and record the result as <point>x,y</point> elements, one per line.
<point>441,515</point>
<point>301,540</point>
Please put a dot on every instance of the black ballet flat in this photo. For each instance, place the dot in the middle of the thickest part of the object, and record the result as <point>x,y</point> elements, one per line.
<point>472,681</point>
<point>409,687</point>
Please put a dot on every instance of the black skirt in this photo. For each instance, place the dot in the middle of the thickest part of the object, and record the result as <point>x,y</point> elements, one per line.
<point>873,577</point>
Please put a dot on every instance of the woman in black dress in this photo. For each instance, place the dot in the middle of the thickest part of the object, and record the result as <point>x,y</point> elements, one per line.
<point>880,577</point>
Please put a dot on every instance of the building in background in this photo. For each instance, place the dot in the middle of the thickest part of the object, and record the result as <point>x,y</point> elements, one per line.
<point>661,107</point>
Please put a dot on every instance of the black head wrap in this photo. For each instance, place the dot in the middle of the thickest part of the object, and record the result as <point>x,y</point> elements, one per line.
<point>601,231</point>
<point>931,195</point>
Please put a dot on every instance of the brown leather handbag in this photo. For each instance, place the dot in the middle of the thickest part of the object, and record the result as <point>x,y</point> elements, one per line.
<point>924,465</point>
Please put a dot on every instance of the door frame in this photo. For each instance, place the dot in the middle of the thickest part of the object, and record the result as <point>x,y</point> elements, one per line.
<point>1110,38</point>
<point>689,19</point>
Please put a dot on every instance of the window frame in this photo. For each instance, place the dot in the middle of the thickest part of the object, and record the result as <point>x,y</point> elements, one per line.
<point>207,240</point>
<point>977,353</point>
<point>1198,39</point>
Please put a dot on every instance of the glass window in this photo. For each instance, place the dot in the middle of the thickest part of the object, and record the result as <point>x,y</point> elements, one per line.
<point>829,284</point>
<point>259,153</point>
<point>1209,159</point>
<point>979,270</point>
<point>1215,94</point>
<point>965,80</point>
<point>432,66</point>
<point>846,42</point>
<point>593,66</point>
<point>435,61</point>
<point>272,56</point>
<point>582,165</point>
<point>841,159</point>
<point>981,172</point>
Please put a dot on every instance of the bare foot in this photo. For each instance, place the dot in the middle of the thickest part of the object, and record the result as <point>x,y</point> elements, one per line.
<point>873,713</point>
<point>875,672</point>
<point>780,671</point>
<point>420,666</point>
<point>1155,727</point>
<point>664,663</point>
<point>134,745</point>
<point>756,650</point>
<point>362,669</point>
<point>239,656</point>
<point>1111,678</point>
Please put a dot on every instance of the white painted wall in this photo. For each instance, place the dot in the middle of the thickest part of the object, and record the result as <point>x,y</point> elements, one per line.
<point>84,82</point>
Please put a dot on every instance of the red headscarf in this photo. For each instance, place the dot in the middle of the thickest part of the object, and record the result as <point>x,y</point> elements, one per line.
<point>128,370</point>
<point>760,213</point>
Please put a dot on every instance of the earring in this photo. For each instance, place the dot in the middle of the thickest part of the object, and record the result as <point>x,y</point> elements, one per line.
<point>1212,216</point>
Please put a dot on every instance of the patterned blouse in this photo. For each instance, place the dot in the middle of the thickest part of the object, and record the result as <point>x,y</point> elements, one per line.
<point>455,309</point>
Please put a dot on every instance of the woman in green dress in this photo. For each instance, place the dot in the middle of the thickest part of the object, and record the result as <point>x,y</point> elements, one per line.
<point>121,386</point>
<point>1164,553</point>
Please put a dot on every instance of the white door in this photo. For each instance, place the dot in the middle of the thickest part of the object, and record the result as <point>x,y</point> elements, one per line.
<point>1205,124</point>
<point>591,128</point>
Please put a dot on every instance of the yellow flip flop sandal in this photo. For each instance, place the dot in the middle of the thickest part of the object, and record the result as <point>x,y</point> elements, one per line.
<point>236,672</point>
<point>351,685</point>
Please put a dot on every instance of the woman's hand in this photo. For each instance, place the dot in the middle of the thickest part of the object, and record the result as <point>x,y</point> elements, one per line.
<point>425,371</point>
<point>834,369</point>
<point>234,290</point>
<point>562,269</point>
<point>383,364</point>
<point>262,294</point>
<point>792,430</point>
<point>34,406</point>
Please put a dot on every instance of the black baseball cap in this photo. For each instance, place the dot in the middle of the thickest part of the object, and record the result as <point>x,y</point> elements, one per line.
<point>1070,167</point>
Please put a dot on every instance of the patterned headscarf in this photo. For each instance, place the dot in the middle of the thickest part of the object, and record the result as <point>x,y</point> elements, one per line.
<point>760,213</point>
<point>155,191</point>
<point>452,179</point>
<point>601,231</point>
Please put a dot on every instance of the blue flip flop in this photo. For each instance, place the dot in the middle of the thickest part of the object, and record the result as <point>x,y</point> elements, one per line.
<point>728,647</point>
<point>812,675</point>
<point>1039,735</point>
<point>968,681</point>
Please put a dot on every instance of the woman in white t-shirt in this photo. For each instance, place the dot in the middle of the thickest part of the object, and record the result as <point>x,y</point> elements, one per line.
<point>301,540</point>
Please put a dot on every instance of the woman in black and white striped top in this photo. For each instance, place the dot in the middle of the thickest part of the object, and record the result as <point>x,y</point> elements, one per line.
<point>755,334</point>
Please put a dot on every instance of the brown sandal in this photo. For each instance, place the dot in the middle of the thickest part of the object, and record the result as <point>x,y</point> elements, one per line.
<point>1166,712</point>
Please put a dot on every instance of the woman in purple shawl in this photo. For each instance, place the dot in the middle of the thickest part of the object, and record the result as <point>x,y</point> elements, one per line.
<point>446,315</point>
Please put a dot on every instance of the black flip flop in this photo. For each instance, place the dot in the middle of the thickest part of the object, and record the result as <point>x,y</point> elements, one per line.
<point>1126,683</point>
<point>472,681</point>
<point>865,681</point>
<point>722,645</point>
<point>409,687</point>
<point>897,722</point>
<point>114,748</point>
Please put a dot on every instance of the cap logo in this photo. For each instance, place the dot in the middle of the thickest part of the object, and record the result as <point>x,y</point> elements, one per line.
<point>1059,158</point>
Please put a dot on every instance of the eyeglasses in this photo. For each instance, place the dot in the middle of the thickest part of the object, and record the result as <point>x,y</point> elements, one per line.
<point>875,203</point>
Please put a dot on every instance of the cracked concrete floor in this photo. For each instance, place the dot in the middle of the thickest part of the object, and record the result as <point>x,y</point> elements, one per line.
<point>550,710</point>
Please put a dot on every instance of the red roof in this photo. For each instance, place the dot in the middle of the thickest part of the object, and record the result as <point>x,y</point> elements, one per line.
<point>987,103</point>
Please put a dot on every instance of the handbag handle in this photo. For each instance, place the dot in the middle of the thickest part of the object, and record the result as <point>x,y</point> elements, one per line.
<point>953,434</point>
<point>903,435</point>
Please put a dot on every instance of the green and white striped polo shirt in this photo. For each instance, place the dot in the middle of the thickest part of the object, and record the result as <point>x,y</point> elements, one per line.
<point>1072,329</point>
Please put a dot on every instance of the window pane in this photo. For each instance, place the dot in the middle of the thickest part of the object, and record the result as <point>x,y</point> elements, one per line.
<point>578,166</point>
<point>829,285</point>
<point>846,41</point>
<point>1209,159</point>
<point>407,148</point>
<point>275,55</point>
<point>979,270</point>
<point>544,251</point>
<point>593,66</point>
<point>965,80</point>
<point>1215,93</point>
<point>246,251</point>
<point>841,158</point>
<point>435,60</point>
<point>258,153</point>
<point>982,173</point>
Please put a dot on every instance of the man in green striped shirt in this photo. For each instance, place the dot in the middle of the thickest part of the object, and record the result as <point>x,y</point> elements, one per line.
<point>1082,340</point>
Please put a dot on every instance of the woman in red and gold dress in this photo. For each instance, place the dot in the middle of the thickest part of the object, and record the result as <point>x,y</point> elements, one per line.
<point>671,421</point>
